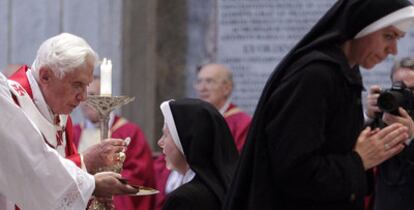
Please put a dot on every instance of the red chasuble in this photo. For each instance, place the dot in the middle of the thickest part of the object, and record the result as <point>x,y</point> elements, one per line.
<point>70,149</point>
<point>138,165</point>
<point>161,174</point>
<point>238,122</point>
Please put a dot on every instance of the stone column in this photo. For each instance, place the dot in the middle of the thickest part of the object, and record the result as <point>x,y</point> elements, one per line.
<point>153,59</point>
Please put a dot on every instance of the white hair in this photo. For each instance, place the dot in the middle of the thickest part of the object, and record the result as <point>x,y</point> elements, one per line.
<point>64,53</point>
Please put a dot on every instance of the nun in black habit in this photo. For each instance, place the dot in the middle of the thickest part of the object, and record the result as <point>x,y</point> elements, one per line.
<point>198,144</point>
<point>307,148</point>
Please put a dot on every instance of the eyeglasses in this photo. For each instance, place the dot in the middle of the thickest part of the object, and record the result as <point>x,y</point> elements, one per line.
<point>209,83</point>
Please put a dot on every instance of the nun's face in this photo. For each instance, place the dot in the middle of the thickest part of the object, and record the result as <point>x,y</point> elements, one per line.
<point>174,159</point>
<point>369,50</point>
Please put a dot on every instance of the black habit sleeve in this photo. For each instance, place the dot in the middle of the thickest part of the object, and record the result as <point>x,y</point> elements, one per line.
<point>309,139</point>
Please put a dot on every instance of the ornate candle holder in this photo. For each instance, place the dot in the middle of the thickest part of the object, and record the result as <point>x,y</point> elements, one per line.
<point>104,105</point>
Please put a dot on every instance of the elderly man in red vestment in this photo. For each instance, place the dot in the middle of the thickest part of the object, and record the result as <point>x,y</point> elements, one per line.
<point>138,165</point>
<point>49,91</point>
<point>214,84</point>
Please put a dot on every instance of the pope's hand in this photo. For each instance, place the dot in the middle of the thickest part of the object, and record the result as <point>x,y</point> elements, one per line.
<point>108,184</point>
<point>103,155</point>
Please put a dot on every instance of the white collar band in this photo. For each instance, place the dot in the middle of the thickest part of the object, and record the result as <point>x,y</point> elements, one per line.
<point>169,120</point>
<point>402,19</point>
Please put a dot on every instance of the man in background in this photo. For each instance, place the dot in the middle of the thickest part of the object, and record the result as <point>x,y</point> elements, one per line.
<point>214,84</point>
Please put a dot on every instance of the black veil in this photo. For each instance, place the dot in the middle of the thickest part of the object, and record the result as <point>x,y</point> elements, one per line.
<point>207,143</point>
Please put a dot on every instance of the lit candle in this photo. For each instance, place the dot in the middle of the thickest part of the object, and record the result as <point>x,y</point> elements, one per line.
<point>106,77</point>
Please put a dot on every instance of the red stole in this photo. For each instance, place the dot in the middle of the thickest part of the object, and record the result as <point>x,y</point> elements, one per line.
<point>231,110</point>
<point>238,122</point>
<point>70,149</point>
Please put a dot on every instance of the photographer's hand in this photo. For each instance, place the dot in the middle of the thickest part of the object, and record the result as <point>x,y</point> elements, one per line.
<point>404,119</point>
<point>372,99</point>
<point>376,146</point>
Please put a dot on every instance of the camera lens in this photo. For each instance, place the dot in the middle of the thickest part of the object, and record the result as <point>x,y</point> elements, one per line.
<point>389,101</point>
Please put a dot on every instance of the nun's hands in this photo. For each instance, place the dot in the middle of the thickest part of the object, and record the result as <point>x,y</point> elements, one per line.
<point>376,146</point>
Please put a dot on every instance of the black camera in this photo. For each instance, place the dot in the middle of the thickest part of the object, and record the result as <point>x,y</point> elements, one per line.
<point>397,96</point>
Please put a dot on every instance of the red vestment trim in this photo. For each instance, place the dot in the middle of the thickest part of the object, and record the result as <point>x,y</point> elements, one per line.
<point>70,150</point>
<point>231,111</point>
<point>20,77</point>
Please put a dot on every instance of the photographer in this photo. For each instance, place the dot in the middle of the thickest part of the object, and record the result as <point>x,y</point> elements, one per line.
<point>395,177</point>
